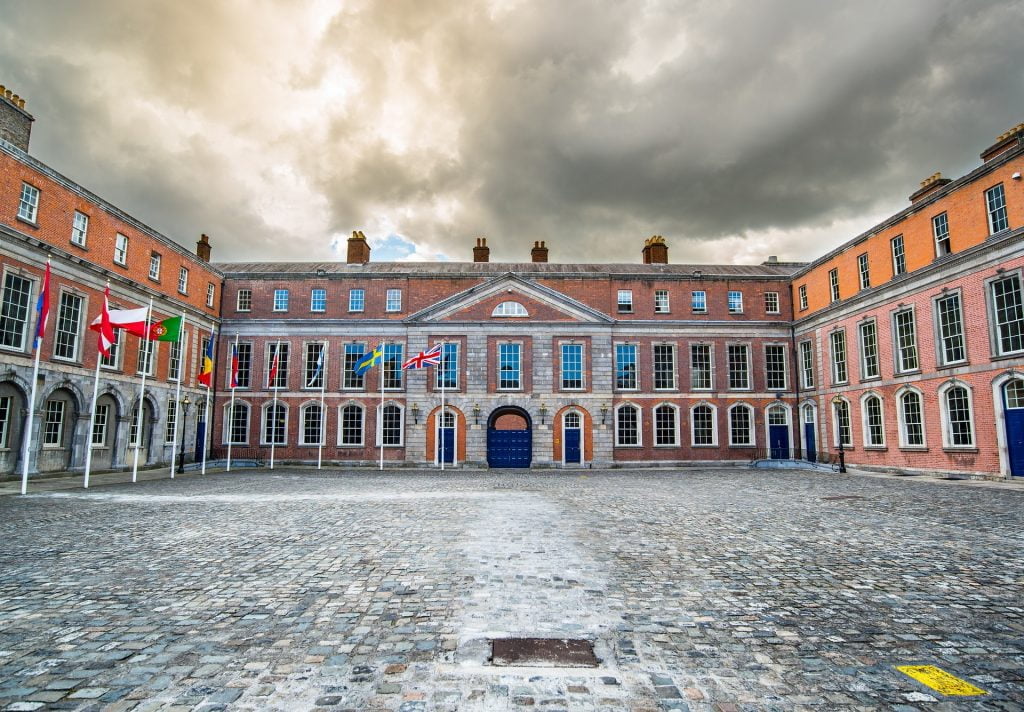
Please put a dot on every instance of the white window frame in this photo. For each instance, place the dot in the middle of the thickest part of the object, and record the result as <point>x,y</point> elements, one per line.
<point>899,256</point>
<point>303,411</point>
<point>747,376</point>
<point>153,355</point>
<point>802,295</point>
<point>864,270</point>
<point>807,364</point>
<point>864,420</point>
<point>833,284</point>
<point>864,375</point>
<point>947,434</point>
<point>520,376</point>
<point>673,368</point>
<point>897,347</point>
<point>561,366</point>
<point>281,299</point>
<point>59,444</point>
<point>772,303</point>
<point>182,280</point>
<point>155,261</point>
<point>171,422</point>
<point>752,427</point>
<point>699,301</point>
<point>785,367</point>
<point>836,426</point>
<point>380,424</point>
<point>995,209</point>
<point>341,424</point>
<point>996,340</point>
<point>510,309</point>
<point>229,429</point>
<point>313,306</point>
<point>83,310</point>
<point>940,335</point>
<point>247,293</point>
<point>28,204</point>
<point>661,301</point>
<point>639,425</point>
<point>624,301</point>
<point>120,249</point>
<point>940,233</point>
<point>836,380</point>
<point>734,300</point>
<point>117,351</point>
<point>356,300</point>
<point>393,300</point>
<point>714,424</point>
<point>32,296</point>
<point>263,421</point>
<point>211,293</point>
<point>675,425</point>
<point>902,422</point>
<point>101,425</point>
<point>711,367</point>
<point>79,229</point>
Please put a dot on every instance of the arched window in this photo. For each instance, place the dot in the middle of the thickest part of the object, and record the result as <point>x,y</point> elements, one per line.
<point>958,420</point>
<point>702,425</point>
<point>777,415</point>
<point>311,420</point>
<point>741,425</point>
<point>666,425</point>
<point>627,425</point>
<point>390,432</point>
<point>275,424</point>
<point>236,424</point>
<point>874,428</point>
<point>448,419</point>
<point>572,420</point>
<point>841,422</point>
<point>510,309</point>
<point>350,432</point>
<point>911,418</point>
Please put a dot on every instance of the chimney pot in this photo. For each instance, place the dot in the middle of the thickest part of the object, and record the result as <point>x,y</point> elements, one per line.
<point>15,122</point>
<point>481,253</point>
<point>539,253</point>
<point>358,250</point>
<point>655,251</point>
<point>203,248</point>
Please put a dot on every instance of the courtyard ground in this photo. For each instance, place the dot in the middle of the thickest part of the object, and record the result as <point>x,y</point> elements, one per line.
<point>350,590</point>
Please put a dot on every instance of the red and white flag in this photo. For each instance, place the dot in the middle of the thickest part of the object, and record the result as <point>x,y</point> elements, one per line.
<point>131,320</point>
<point>107,338</point>
<point>430,357</point>
<point>272,377</point>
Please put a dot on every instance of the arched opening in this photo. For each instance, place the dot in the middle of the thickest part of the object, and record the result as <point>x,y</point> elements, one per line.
<point>57,430</point>
<point>809,416</point>
<point>572,438</point>
<point>103,439</point>
<point>777,422</point>
<point>509,437</point>
<point>12,422</point>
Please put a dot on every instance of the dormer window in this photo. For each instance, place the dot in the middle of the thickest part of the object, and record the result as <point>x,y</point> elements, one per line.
<point>509,309</point>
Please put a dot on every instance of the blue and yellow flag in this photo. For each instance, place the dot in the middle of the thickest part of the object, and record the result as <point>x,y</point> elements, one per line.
<point>368,361</point>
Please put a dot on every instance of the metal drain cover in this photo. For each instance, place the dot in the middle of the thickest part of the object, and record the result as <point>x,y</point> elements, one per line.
<point>543,652</point>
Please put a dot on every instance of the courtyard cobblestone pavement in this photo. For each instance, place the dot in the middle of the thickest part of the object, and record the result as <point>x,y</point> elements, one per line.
<point>717,590</point>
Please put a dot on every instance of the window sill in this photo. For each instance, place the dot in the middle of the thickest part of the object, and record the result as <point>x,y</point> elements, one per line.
<point>667,447</point>
<point>911,372</point>
<point>70,361</point>
<point>629,447</point>
<point>1004,357</point>
<point>184,294</point>
<point>871,379</point>
<point>955,364</point>
<point>712,445</point>
<point>74,244</point>
<point>30,223</point>
<point>154,280</point>
<point>954,449</point>
<point>913,448</point>
<point>743,447</point>
<point>876,448</point>
<point>242,311</point>
<point>123,265</point>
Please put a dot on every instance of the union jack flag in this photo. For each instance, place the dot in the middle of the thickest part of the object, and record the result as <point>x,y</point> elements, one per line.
<point>430,357</point>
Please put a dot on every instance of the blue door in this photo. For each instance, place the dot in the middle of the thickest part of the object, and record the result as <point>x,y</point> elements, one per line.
<point>446,445</point>
<point>572,445</point>
<point>778,441</point>
<point>1013,401</point>
<point>509,448</point>
<point>809,447</point>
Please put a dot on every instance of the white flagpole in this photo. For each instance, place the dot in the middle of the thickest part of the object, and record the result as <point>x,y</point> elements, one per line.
<point>177,392</point>
<point>37,340</point>
<point>323,409</point>
<point>148,363</point>
<point>92,422</point>
<point>442,428</point>
<point>273,414</point>
<point>28,425</point>
<point>380,418</point>
<point>208,433</point>
<point>231,410</point>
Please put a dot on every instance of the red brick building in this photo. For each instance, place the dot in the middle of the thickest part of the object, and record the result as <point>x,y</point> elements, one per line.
<point>906,343</point>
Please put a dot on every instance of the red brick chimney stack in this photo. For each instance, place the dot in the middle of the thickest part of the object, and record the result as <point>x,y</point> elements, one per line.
<point>358,249</point>
<point>203,248</point>
<point>655,251</point>
<point>15,122</point>
<point>928,186</point>
<point>539,253</point>
<point>481,253</point>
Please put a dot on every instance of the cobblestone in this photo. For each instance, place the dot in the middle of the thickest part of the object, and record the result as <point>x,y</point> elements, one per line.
<point>700,590</point>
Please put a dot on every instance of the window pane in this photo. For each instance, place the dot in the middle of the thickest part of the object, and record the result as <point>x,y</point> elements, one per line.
<point>739,426</point>
<point>69,323</point>
<point>572,366</point>
<point>664,366</point>
<point>627,426</point>
<point>353,352</point>
<point>391,425</point>
<point>508,366</point>
<point>906,341</point>
<point>958,411</point>
<point>838,339</point>
<point>739,376</point>
<point>312,424</point>
<point>625,366</point>
<point>869,350</point>
<point>913,424</point>
<point>703,425</point>
<point>447,374</point>
<point>1009,314</point>
<point>775,367</point>
<point>393,357</point>
<point>951,329</point>
<point>699,301</point>
<point>665,425</point>
<point>351,425</point>
<point>873,421</point>
<point>700,366</point>
<point>807,364</point>
<point>14,315</point>
<point>318,300</point>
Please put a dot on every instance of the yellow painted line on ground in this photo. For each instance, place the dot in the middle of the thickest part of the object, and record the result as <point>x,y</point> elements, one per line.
<point>940,680</point>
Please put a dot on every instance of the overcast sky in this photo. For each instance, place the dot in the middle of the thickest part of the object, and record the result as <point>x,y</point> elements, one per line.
<point>735,129</point>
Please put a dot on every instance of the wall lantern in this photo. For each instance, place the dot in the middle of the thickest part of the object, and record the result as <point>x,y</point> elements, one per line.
<point>415,410</point>
<point>604,413</point>
<point>543,412</point>
<point>476,414</point>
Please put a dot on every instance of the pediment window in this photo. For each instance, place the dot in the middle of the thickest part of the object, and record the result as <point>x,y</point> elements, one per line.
<point>510,309</point>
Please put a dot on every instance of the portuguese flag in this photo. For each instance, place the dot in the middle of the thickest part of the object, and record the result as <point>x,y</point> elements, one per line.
<point>166,330</point>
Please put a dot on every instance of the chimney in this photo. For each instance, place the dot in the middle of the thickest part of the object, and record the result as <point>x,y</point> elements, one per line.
<point>203,248</point>
<point>15,122</point>
<point>481,253</point>
<point>928,186</point>
<point>539,253</point>
<point>358,250</point>
<point>655,251</point>
<point>1007,141</point>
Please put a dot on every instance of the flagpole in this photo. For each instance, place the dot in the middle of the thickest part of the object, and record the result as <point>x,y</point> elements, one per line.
<point>323,409</point>
<point>92,422</point>
<point>37,342</point>
<point>206,411</point>
<point>380,418</point>
<point>177,393</point>
<point>273,415</point>
<point>231,410</point>
<point>142,390</point>
<point>443,379</point>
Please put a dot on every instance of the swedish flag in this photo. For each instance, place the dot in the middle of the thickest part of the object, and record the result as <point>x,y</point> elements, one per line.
<point>368,361</point>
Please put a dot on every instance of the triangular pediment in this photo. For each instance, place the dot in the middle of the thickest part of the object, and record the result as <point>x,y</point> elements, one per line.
<point>540,303</point>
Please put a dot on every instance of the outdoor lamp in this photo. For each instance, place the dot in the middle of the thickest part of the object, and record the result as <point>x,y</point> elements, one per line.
<point>415,409</point>
<point>837,401</point>
<point>184,403</point>
<point>604,413</point>
<point>543,412</point>
<point>476,414</point>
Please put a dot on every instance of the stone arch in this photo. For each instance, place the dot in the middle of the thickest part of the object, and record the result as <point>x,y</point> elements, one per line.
<point>509,437</point>
<point>12,428</point>
<point>431,454</point>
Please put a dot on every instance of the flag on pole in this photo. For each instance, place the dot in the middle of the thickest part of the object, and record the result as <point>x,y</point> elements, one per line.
<point>205,376</point>
<point>42,308</point>
<point>319,368</point>
<point>166,330</point>
<point>131,320</point>
<point>234,366</point>
<point>272,376</point>
<point>430,357</point>
<point>104,326</point>
<point>368,361</point>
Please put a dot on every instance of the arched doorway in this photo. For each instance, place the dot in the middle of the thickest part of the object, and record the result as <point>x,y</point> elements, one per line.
<point>509,438</point>
<point>1013,411</point>
<point>12,421</point>
<point>810,438</point>
<point>572,437</point>
<point>445,437</point>
<point>778,431</point>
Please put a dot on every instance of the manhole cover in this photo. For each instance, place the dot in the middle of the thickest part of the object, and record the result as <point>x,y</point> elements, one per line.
<point>543,652</point>
<point>841,497</point>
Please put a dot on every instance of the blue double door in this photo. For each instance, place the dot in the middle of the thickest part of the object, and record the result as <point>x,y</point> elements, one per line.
<point>509,448</point>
